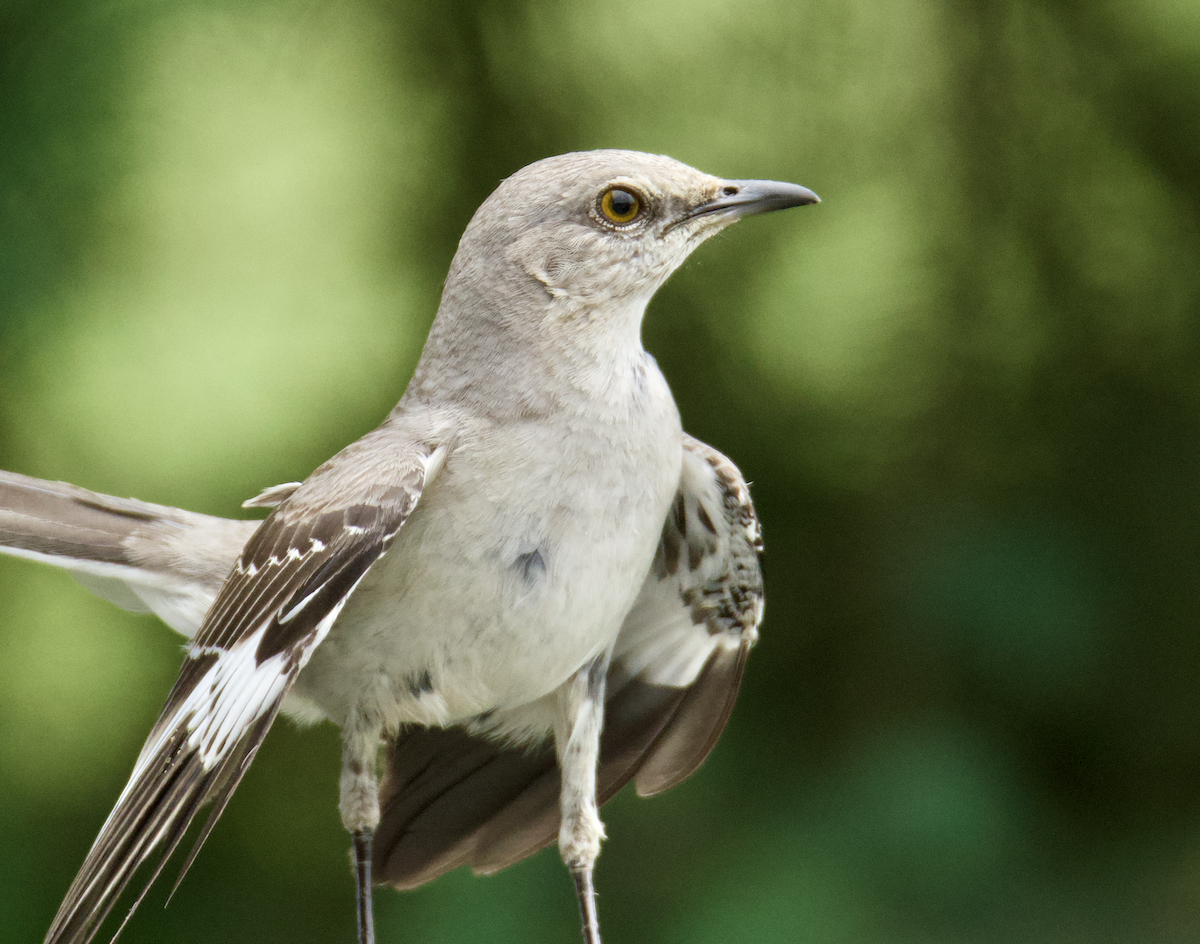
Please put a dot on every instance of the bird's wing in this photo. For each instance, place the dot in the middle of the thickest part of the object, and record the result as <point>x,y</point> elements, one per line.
<point>454,797</point>
<point>141,556</point>
<point>695,619</point>
<point>285,591</point>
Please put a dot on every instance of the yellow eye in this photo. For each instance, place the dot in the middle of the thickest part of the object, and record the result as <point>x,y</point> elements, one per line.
<point>620,206</point>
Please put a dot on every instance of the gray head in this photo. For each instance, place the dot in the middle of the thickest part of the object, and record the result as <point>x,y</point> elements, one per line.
<point>605,227</point>
<point>554,271</point>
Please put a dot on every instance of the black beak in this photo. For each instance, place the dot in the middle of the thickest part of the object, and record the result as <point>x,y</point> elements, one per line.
<point>746,197</point>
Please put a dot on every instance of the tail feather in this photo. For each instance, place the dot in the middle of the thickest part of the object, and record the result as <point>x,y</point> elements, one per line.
<point>140,556</point>
<point>54,519</point>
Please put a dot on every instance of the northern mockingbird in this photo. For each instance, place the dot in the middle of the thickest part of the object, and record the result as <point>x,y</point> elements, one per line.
<point>528,583</point>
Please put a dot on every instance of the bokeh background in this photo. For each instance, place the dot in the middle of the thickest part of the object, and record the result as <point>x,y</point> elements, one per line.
<point>966,388</point>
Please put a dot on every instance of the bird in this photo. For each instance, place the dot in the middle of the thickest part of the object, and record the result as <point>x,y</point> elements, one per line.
<point>527,587</point>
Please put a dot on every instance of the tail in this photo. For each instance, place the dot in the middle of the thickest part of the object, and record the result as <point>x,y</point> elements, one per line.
<point>140,556</point>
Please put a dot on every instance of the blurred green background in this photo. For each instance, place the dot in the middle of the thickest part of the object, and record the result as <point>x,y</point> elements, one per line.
<point>966,388</point>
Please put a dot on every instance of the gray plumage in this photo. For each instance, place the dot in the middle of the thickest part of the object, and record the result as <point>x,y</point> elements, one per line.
<point>528,583</point>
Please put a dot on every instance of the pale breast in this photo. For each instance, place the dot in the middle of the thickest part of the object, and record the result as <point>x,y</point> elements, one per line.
<point>517,567</point>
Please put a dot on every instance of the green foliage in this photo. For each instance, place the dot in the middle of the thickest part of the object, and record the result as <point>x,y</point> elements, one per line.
<point>966,387</point>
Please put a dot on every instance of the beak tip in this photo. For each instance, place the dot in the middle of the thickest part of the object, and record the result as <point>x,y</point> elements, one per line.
<point>750,197</point>
<point>763,196</point>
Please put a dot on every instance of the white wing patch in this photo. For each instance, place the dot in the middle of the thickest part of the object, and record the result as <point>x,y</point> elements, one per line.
<point>279,602</point>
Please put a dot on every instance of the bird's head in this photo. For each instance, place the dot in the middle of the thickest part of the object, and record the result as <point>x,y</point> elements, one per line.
<point>606,228</point>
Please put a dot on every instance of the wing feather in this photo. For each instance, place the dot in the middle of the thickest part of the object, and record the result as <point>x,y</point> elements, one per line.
<point>284,593</point>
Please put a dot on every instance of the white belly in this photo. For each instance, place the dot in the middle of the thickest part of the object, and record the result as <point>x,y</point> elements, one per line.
<point>516,569</point>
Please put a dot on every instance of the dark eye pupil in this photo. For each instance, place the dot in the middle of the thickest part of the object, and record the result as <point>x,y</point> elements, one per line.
<point>623,202</point>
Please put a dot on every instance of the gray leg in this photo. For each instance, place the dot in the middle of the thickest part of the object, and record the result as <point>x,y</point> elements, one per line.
<point>359,806</point>
<point>577,741</point>
<point>362,885</point>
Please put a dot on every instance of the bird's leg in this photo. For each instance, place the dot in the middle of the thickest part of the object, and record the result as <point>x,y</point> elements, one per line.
<point>577,742</point>
<point>359,806</point>
<point>362,885</point>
